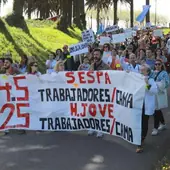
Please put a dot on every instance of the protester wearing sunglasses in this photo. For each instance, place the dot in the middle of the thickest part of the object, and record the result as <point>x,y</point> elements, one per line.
<point>107,54</point>
<point>162,80</point>
<point>33,69</point>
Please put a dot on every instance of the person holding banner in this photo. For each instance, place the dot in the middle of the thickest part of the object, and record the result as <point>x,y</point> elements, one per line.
<point>1,63</point>
<point>96,66</point>
<point>149,102</point>
<point>9,69</point>
<point>59,66</point>
<point>33,69</point>
<point>50,63</point>
<point>115,65</point>
<point>162,81</point>
<point>85,66</point>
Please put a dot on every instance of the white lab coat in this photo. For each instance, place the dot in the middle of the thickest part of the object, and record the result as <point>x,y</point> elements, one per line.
<point>129,67</point>
<point>150,96</point>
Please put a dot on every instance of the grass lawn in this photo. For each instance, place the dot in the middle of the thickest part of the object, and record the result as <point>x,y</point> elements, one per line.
<point>42,39</point>
<point>166,31</point>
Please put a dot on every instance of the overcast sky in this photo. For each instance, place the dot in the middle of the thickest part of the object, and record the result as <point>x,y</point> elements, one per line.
<point>163,7</point>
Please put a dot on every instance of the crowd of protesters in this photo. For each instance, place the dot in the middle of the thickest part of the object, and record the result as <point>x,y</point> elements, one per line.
<point>143,54</point>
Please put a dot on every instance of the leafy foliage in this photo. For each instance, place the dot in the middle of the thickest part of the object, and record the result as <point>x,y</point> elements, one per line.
<point>39,43</point>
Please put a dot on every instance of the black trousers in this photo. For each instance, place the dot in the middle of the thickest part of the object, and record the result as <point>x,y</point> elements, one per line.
<point>145,122</point>
<point>158,118</point>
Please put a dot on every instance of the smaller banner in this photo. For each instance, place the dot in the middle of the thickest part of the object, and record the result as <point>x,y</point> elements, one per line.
<point>111,28</point>
<point>88,36</point>
<point>157,33</point>
<point>78,49</point>
<point>104,40</point>
<point>118,38</point>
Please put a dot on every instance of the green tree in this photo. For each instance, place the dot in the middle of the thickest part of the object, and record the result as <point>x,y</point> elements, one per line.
<point>115,6</point>
<point>98,5</point>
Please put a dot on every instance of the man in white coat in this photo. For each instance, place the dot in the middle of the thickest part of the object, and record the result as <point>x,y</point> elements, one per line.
<point>149,102</point>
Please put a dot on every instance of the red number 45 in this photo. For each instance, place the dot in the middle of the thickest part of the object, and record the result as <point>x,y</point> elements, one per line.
<point>12,108</point>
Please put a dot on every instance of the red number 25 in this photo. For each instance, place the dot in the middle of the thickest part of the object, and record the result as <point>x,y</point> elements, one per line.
<point>12,108</point>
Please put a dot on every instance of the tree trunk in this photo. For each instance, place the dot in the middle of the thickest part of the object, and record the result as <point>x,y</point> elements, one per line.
<point>70,11</point>
<point>148,14</point>
<point>63,24</point>
<point>83,14</point>
<point>29,9</point>
<point>82,5</point>
<point>115,2</point>
<point>98,17</point>
<point>74,8</point>
<point>18,6</point>
<point>131,13</point>
<point>76,13</point>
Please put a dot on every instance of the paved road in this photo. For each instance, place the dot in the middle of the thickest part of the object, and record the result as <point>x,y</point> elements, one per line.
<point>76,151</point>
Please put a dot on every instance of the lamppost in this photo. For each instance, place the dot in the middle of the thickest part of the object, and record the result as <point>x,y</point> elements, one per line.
<point>155,12</point>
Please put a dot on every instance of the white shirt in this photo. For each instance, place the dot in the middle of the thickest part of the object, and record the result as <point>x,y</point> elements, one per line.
<point>129,67</point>
<point>107,57</point>
<point>52,65</point>
<point>150,98</point>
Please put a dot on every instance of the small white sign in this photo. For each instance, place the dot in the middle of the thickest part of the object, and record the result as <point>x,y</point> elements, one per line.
<point>118,38</point>
<point>88,36</point>
<point>157,33</point>
<point>79,48</point>
<point>104,40</point>
<point>111,28</point>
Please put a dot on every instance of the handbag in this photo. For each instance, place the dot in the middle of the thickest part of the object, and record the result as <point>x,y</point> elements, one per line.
<point>162,100</point>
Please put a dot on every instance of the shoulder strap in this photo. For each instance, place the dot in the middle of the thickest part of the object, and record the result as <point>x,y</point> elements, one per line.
<point>157,75</point>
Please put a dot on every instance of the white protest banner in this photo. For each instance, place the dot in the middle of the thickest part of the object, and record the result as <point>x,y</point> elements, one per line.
<point>106,101</point>
<point>158,33</point>
<point>118,38</point>
<point>111,28</point>
<point>104,40</point>
<point>88,36</point>
<point>128,30</point>
<point>128,34</point>
<point>79,48</point>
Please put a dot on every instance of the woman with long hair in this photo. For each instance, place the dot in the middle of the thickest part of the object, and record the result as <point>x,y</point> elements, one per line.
<point>162,80</point>
<point>33,69</point>
<point>51,62</point>
<point>23,64</point>
<point>59,66</point>
<point>59,55</point>
<point>141,56</point>
<point>107,54</point>
<point>159,55</point>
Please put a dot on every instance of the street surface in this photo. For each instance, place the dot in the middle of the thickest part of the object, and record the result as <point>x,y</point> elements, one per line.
<point>77,151</point>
